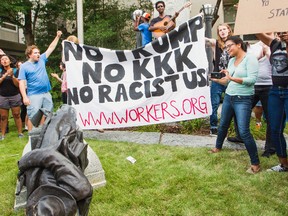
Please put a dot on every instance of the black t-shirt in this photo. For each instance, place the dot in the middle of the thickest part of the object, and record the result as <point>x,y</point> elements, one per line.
<point>158,19</point>
<point>279,62</point>
<point>7,87</point>
<point>221,58</point>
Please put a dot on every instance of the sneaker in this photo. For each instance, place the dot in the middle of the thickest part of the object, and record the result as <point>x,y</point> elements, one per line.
<point>25,128</point>
<point>235,140</point>
<point>2,137</point>
<point>213,132</point>
<point>278,168</point>
<point>20,135</point>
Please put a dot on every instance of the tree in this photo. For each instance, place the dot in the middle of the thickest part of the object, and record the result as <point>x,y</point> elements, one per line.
<point>26,14</point>
<point>109,24</point>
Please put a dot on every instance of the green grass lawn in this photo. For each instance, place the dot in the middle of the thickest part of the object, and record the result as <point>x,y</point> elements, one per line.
<point>166,181</point>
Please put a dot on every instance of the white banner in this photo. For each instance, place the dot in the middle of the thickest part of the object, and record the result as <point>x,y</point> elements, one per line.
<point>165,81</point>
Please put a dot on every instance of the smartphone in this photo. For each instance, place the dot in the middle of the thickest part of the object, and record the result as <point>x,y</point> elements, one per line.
<point>217,75</point>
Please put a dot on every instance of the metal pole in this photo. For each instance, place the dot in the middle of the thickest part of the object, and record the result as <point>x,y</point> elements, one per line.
<point>208,33</point>
<point>80,31</point>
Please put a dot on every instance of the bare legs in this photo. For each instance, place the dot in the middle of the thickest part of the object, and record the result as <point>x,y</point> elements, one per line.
<point>17,118</point>
<point>4,119</point>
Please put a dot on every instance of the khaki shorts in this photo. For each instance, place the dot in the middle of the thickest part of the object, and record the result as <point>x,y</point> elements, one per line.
<point>39,101</point>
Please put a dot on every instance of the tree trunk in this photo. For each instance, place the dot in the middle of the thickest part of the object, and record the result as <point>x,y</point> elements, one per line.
<point>27,31</point>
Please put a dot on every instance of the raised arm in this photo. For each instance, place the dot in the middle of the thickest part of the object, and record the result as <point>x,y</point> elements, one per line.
<point>55,75</point>
<point>174,20</point>
<point>266,51</point>
<point>136,23</point>
<point>266,38</point>
<point>53,45</point>
<point>175,16</point>
<point>210,42</point>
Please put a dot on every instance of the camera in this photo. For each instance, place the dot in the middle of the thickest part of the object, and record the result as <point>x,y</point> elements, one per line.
<point>217,75</point>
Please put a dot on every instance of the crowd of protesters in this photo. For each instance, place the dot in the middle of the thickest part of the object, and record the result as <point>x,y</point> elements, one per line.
<point>252,73</point>
<point>243,92</point>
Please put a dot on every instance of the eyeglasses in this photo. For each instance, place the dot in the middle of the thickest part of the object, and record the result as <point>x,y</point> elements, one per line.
<point>227,47</point>
<point>160,6</point>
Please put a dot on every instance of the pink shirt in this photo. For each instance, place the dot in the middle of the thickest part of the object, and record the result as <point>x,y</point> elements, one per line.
<point>64,82</point>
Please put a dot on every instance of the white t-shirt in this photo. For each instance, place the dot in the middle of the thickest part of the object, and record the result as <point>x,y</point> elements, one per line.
<point>265,69</point>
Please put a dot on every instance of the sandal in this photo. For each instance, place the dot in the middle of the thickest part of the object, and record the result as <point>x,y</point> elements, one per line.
<point>252,171</point>
<point>214,150</point>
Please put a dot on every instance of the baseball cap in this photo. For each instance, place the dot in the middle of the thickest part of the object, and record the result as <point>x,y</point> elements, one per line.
<point>146,16</point>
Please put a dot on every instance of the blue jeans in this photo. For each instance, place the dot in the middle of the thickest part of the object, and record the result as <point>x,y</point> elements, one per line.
<point>277,109</point>
<point>241,107</point>
<point>216,91</point>
<point>262,95</point>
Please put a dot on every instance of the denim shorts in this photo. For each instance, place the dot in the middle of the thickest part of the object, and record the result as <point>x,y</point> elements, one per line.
<point>7,102</point>
<point>39,101</point>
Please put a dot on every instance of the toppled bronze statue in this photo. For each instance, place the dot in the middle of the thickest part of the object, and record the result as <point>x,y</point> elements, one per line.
<point>53,170</point>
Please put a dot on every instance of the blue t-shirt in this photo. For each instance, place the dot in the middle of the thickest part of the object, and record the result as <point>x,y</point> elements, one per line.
<point>145,33</point>
<point>36,76</point>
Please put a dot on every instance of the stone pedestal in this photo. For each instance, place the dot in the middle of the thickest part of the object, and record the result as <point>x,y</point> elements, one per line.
<point>94,172</point>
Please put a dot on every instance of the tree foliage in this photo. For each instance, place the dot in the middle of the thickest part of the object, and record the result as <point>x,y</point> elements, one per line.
<point>108,25</point>
<point>26,14</point>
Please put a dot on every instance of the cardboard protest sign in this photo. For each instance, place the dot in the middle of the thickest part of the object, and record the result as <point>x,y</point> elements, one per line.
<point>261,16</point>
<point>165,81</point>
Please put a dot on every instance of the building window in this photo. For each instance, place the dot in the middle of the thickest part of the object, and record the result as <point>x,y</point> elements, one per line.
<point>230,17</point>
<point>8,26</point>
<point>229,13</point>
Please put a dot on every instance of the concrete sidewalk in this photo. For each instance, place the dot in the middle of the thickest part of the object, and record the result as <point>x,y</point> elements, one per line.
<point>169,139</point>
